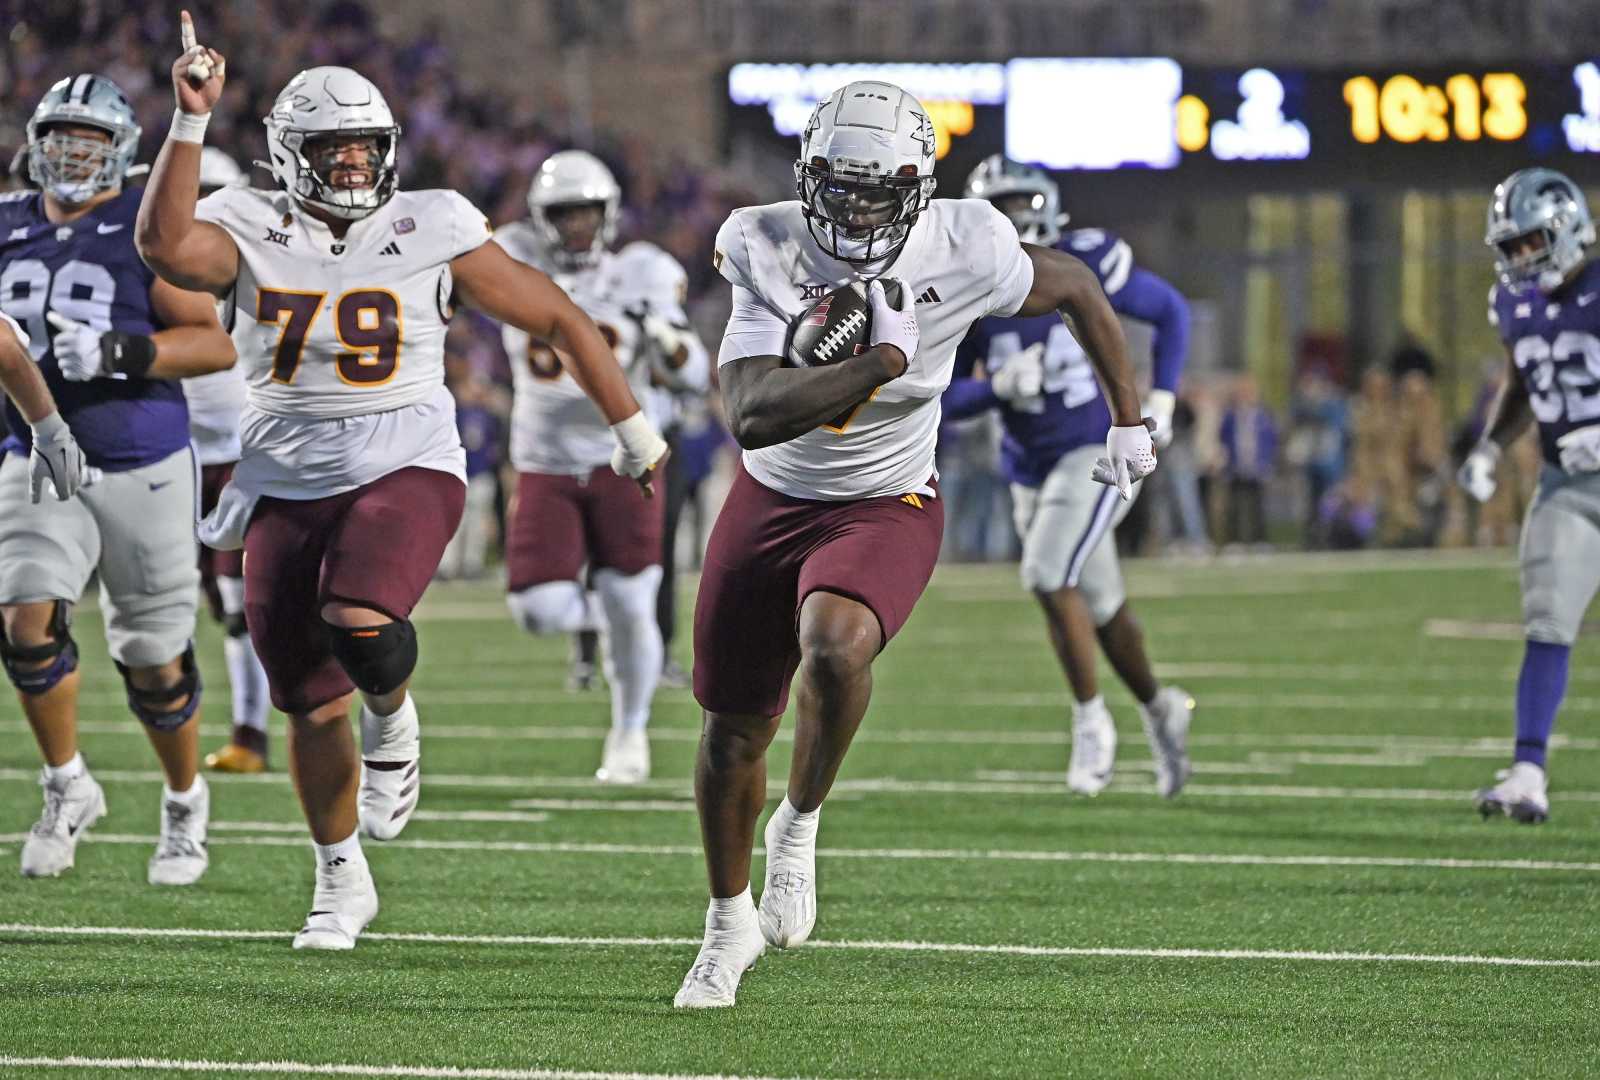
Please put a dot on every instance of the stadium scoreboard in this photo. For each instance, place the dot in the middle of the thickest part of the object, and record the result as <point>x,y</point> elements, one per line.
<point>1457,123</point>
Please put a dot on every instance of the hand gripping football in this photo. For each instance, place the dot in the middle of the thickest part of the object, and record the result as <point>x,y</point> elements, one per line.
<point>836,327</point>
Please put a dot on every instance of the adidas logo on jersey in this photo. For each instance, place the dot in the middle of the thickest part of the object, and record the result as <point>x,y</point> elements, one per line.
<point>929,296</point>
<point>391,248</point>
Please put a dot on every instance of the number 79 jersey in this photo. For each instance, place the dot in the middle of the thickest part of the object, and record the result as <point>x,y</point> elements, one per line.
<point>330,327</point>
<point>1555,344</point>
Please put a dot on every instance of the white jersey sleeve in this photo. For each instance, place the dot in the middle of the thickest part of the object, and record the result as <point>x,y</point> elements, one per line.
<point>1012,269</point>
<point>340,327</point>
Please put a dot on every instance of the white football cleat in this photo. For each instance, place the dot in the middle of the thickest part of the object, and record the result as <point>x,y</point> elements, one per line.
<point>181,855</point>
<point>726,954</point>
<point>391,772</point>
<point>626,759</point>
<point>1522,794</point>
<point>789,897</point>
<point>1166,725</point>
<point>1094,751</point>
<point>344,902</point>
<point>71,807</point>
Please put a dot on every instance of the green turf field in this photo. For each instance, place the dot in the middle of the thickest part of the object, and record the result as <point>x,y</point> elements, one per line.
<point>1321,902</point>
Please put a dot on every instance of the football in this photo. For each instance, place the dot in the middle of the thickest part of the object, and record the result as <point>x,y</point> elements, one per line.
<point>836,327</point>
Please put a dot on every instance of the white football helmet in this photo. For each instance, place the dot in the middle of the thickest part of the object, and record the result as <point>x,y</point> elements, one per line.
<point>1545,204</point>
<point>323,101</point>
<point>568,178</point>
<point>1024,194</point>
<point>75,169</point>
<point>865,171</point>
<point>218,170</point>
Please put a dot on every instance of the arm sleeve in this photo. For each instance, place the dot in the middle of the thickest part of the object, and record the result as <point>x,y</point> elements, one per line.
<point>1152,299</point>
<point>754,329</point>
<point>1013,270</point>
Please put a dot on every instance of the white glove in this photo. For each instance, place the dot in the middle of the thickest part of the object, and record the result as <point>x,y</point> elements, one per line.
<point>1476,475</point>
<point>1129,456</point>
<point>1158,407</point>
<point>57,460</point>
<point>77,349</point>
<point>1020,380</point>
<point>892,325</point>
<point>666,338</point>
<point>640,447</point>
<point>1580,450</point>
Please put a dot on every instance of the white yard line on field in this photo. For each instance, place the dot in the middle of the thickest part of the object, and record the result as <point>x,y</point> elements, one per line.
<point>892,786</point>
<point>956,948</point>
<point>1169,858</point>
<point>508,817</point>
<point>302,1068</point>
<point>1429,745</point>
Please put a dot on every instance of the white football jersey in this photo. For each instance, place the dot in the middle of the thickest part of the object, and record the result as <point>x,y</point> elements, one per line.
<point>216,402</point>
<point>962,262</point>
<point>341,340</point>
<point>555,428</point>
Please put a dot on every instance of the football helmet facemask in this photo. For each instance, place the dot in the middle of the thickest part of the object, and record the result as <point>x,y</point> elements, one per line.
<point>1538,227</point>
<point>75,168</point>
<point>865,171</point>
<point>573,178</point>
<point>1022,193</point>
<point>318,124</point>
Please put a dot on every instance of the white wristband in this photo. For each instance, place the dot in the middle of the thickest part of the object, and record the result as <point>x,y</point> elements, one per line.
<point>189,128</point>
<point>638,436</point>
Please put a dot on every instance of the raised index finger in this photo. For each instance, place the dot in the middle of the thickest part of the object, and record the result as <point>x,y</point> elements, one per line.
<point>186,28</point>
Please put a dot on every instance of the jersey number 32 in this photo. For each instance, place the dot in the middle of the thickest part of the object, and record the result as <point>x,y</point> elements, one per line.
<point>1563,378</point>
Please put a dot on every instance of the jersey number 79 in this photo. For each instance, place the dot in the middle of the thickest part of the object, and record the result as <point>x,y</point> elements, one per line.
<point>367,322</point>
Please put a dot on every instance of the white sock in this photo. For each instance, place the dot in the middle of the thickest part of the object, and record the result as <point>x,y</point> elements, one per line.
<point>1156,706</point>
<point>383,737</point>
<point>185,798</point>
<point>632,643</point>
<point>1092,711</point>
<point>730,913</point>
<point>248,680</point>
<point>406,707</point>
<point>246,677</point>
<point>794,828</point>
<point>70,771</point>
<point>346,853</point>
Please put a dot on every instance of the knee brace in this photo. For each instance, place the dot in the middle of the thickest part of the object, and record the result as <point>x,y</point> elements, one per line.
<point>234,626</point>
<point>378,659</point>
<point>152,707</point>
<point>554,607</point>
<point>59,656</point>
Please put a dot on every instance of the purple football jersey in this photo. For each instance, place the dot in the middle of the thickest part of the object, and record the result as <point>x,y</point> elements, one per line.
<point>89,271</point>
<point>1555,343</point>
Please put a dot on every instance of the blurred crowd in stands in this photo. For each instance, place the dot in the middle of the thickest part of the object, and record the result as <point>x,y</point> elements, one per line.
<point>1354,461</point>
